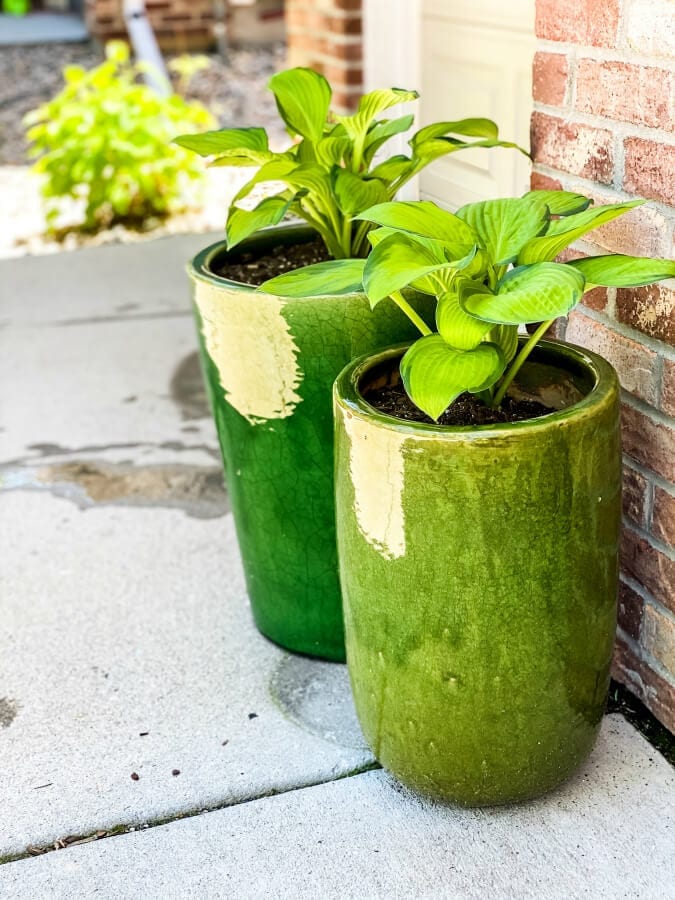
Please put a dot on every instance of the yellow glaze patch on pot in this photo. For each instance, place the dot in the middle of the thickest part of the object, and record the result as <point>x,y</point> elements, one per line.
<point>251,345</point>
<point>376,467</point>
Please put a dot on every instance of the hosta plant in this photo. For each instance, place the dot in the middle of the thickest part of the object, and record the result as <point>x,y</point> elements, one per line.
<point>330,174</point>
<point>104,141</point>
<point>491,267</point>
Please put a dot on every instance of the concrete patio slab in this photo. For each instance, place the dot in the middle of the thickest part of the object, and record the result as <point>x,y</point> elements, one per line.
<point>128,647</point>
<point>117,281</point>
<point>608,833</point>
<point>41,28</point>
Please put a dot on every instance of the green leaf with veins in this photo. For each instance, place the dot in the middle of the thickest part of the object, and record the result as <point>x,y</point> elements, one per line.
<point>434,373</point>
<point>482,128</point>
<point>393,168</point>
<point>213,143</point>
<point>503,226</point>
<point>242,223</point>
<point>560,203</point>
<point>457,327</point>
<point>563,232</point>
<point>397,261</point>
<point>421,217</point>
<point>617,270</point>
<point>354,194</point>
<point>335,276</point>
<point>380,133</point>
<point>506,337</point>
<point>527,294</point>
<point>303,99</point>
<point>276,170</point>
<point>370,106</point>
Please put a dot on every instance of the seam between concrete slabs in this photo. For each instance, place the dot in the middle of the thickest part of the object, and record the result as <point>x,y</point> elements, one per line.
<point>189,814</point>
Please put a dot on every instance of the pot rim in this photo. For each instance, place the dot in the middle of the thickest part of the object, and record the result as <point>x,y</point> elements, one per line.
<point>605,391</point>
<point>200,266</point>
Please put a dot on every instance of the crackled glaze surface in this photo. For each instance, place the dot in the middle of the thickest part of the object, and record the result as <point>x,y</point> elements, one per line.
<point>278,455</point>
<point>479,657</point>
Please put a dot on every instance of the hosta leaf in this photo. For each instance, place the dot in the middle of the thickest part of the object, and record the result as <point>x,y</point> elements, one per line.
<point>397,261</point>
<point>381,132</point>
<point>534,293</point>
<point>427,151</point>
<point>354,194</point>
<point>332,151</point>
<point>617,270</point>
<point>303,98</point>
<point>242,158</point>
<point>275,170</point>
<point>560,203</point>
<point>483,128</point>
<point>315,180</point>
<point>503,226</point>
<point>370,106</point>
<point>393,168</point>
<point>562,232</point>
<point>427,220</point>
<point>506,337</point>
<point>335,276</point>
<point>434,374</point>
<point>212,143</point>
<point>458,328</point>
<point>243,222</point>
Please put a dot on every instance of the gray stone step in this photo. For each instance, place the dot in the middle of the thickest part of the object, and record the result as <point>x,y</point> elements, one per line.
<point>607,833</point>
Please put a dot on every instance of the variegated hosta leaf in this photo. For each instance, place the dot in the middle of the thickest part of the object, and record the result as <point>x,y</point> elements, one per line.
<point>370,106</point>
<point>335,276</point>
<point>617,270</point>
<point>396,262</point>
<point>503,226</point>
<point>534,293</point>
<point>380,133</point>
<point>393,168</point>
<point>226,140</point>
<point>434,373</point>
<point>427,220</point>
<point>506,337</point>
<point>303,98</point>
<point>241,223</point>
<point>563,232</point>
<point>481,128</point>
<point>560,203</point>
<point>354,194</point>
<point>276,170</point>
<point>457,327</point>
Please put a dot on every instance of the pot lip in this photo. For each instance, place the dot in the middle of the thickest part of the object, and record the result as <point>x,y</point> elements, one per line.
<point>604,391</point>
<point>199,267</point>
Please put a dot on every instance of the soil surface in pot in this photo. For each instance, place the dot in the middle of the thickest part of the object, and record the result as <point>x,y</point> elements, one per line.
<point>465,410</point>
<point>249,268</point>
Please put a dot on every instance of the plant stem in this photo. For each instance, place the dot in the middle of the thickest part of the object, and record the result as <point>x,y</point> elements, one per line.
<point>519,360</point>
<point>414,317</point>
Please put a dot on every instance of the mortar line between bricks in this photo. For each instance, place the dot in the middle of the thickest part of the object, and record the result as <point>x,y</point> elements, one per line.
<point>646,535</point>
<point>116,830</point>
<point>641,653</point>
<point>647,473</point>
<point>646,597</point>
<point>623,55</point>
<point>619,127</point>
<point>640,337</point>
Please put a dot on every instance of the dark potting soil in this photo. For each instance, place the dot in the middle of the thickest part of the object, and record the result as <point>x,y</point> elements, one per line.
<point>250,268</point>
<point>466,409</point>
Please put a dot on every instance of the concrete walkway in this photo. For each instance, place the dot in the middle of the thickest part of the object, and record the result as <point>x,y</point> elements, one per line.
<point>134,689</point>
<point>41,28</point>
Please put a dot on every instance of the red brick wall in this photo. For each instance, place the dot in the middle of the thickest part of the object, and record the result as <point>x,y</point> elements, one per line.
<point>604,83</point>
<point>178,24</point>
<point>326,36</point>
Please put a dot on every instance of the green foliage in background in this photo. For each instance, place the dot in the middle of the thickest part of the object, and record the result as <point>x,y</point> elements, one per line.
<point>105,139</point>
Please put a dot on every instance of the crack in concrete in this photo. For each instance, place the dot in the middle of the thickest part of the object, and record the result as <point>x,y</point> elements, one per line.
<point>46,450</point>
<point>187,388</point>
<point>95,320</point>
<point>199,492</point>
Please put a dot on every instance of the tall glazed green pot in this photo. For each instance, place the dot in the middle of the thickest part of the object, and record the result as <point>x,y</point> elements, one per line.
<point>479,573</point>
<point>269,365</point>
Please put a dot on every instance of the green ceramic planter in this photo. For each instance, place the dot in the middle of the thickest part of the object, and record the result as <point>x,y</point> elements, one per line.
<point>270,364</point>
<point>479,575</point>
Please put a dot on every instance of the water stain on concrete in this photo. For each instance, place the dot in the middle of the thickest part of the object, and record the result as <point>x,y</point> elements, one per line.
<point>199,492</point>
<point>8,711</point>
<point>317,697</point>
<point>187,389</point>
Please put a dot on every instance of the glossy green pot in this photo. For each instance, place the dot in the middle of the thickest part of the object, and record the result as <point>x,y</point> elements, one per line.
<point>479,573</point>
<point>270,364</point>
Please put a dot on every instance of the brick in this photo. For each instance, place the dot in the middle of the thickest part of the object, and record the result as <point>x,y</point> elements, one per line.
<point>593,22</point>
<point>657,694</point>
<point>658,636</point>
<point>641,232</point>
<point>637,94</point>
<point>649,442</point>
<point>630,610</point>
<point>340,76</point>
<point>549,78</point>
<point>663,516</point>
<point>649,26</point>
<point>347,52</point>
<point>648,566</point>
<point>634,496</point>
<point>668,388</point>
<point>650,309</point>
<point>541,182</point>
<point>572,147</point>
<point>342,24</point>
<point>649,169</point>
<point>348,4</point>
<point>634,363</point>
